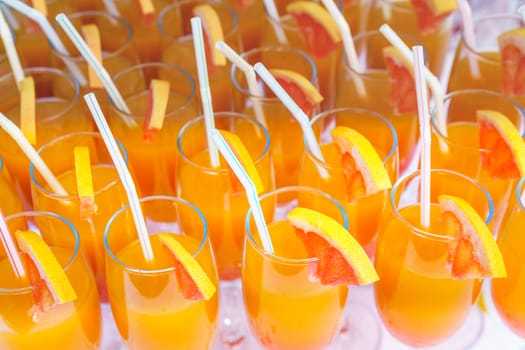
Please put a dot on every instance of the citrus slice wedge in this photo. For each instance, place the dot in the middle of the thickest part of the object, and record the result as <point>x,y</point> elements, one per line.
<point>39,5</point>
<point>473,253</point>
<point>364,171</point>
<point>49,282</point>
<point>403,86</point>
<point>193,281</point>
<point>91,35</point>
<point>147,11</point>
<point>512,50</point>
<point>342,260</point>
<point>27,109</point>
<point>504,149</point>
<point>84,180</point>
<point>300,89</point>
<point>212,31</point>
<point>242,154</point>
<point>431,13</point>
<point>159,91</point>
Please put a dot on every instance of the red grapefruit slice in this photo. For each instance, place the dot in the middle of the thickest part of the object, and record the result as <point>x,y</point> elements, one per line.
<point>300,89</point>
<point>403,94</point>
<point>512,50</point>
<point>431,13</point>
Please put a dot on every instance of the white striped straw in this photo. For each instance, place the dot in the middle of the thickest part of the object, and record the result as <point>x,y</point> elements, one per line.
<point>10,248</point>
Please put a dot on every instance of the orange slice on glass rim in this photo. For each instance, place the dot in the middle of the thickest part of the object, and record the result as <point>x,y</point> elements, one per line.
<point>300,89</point>
<point>473,253</point>
<point>242,154</point>
<point>212,32</point>
<point>431,13</point>
<point>147,10</point>
<point>91,35</point>
<point>28,109</point>
<point>341,260</point>
<point>503,154</point>
<point>364,171</point>
<point>84,180</point>
<point>512,50</point>
<point>159,91</point>
<point>403,87</point>
<point>49,282</point>
<point>193,281</point>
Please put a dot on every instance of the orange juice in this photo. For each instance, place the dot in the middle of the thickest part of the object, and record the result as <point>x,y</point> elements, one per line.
<point>251,21</point>
<point>11,202</point>
<point>223,202</point>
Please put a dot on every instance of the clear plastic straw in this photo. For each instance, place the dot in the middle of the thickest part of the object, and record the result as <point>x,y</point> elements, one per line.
<point>10,248</point>
<point>271,9</point>
<point>424,127</point>
<point>10,18</point>
<point>10,50</point>
<point>251,78</point>
<point>50,33</point>
<point>204,85</point>
<point>17,135</point>
<point>348,43</point>
<point>468,35</point>
<point>123,173</point>
<point>111,8</point>
<point>249,187</point>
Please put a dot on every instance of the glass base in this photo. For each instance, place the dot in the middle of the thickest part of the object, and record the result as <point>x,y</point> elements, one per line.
<point>467,336</point>
<point>360,330</point>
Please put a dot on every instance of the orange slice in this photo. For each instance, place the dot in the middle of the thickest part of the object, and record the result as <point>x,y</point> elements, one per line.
<point>91,35</point>
<point>159,92</point>
<point>504,149</point>
<point>27,109</point>
<point>50,283</point>
<point>193,281</point>
<point>364,171</point>
<point>317,27</point>
<point>212,31</point>
<point>473,253</point>
<point>512,51</point>
<point>242,154</point>
<point>300,89</point>
<point>431,13</point>
<point>84,180</point>
<point>403,86</point>
<point>39,5</point>
<point>147,10</point>
<point>341,259</point>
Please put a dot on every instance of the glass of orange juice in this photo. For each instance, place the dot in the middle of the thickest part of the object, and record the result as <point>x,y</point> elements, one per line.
<point>286,147</point>
<point>11,202</point>
<point>72,325</point>
<point>109,194</point>
<point>177,44</point>
<point>58,112</point>
<point>416,287</point>
<point>153,161</point>
<point>363,212</point>
<point>286,308</point>
<point>251,21</point>
<point>146,297</point>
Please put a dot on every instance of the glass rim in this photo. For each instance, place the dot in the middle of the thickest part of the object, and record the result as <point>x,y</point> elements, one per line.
<point>226,114</point>
<point>423,233</point>
<point>280,259</point>
<point>48,192</point>
<point>74,254</point>
<point>246,91</point>
<point>136,271</point>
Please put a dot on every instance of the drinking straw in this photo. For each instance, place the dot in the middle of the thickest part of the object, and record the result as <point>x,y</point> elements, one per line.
<point>274,16</point>
<point>348,44</point>
<point>251,78</point>
<point>204,85</point>
<point>101,72</point>
<point>10,50</point>
<point>17,135</point>
<point>468,35</point>
<point>10,248</point>
<point>11,20</point>
<point>521,11</point>
<point>424,129</point>
<point>295,110</point>
<point>123,172</point>
<point>111,8</point>
<point>249,187</point>
<point>48,30</point>
<point>432,81</point>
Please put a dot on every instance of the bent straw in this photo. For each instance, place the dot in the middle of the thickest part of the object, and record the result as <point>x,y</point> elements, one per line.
<point>48,30</point>
<point>296,111</point>
<point>424,129</point>
<point>10,249</point>
<point>10,18</point>
<point>348,44</point>
<point>470,39</point>
<point>123,172</point>
<point>17,135</point>
<point>204,85</point>
<point>101,72</point>
<point>251,78</point>
<point>249,187</point>
<point>111,8</point>
<point>10,50</point>
<point>274,16</point>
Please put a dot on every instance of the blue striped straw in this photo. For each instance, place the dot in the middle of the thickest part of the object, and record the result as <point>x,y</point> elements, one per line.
<point>249,187</point>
